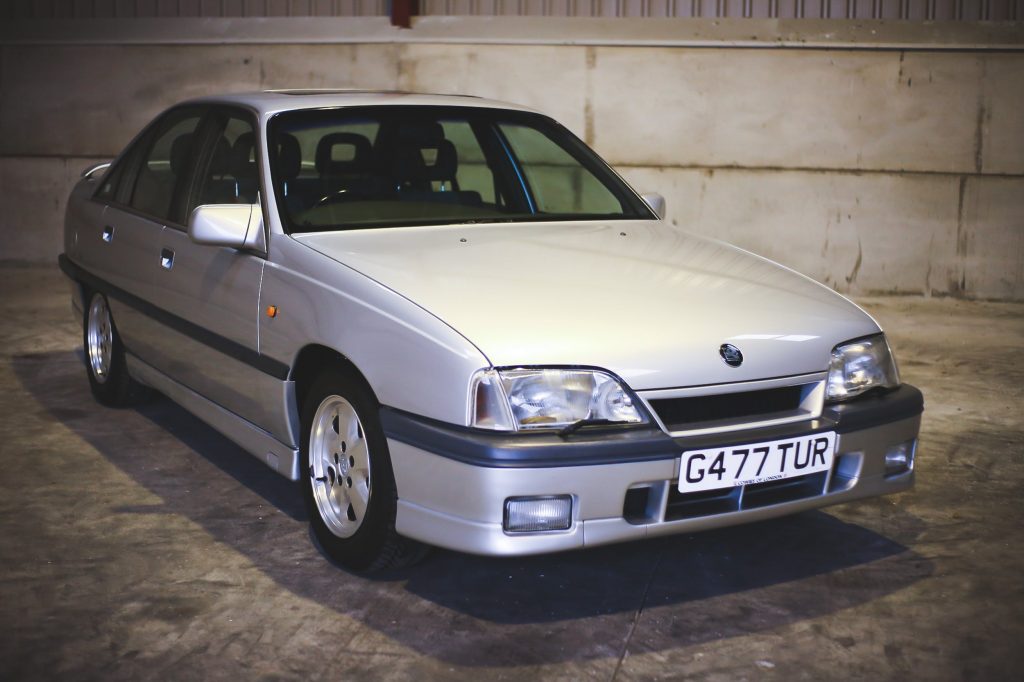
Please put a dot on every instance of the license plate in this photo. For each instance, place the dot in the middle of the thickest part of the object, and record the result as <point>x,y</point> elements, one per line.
<point>726,467</point>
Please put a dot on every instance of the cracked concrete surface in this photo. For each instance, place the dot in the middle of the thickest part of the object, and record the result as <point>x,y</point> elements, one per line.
<point>139,544</point>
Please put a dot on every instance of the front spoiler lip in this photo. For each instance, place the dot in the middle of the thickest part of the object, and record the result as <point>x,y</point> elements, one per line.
<point>488,539</point>
<point>607,446</point>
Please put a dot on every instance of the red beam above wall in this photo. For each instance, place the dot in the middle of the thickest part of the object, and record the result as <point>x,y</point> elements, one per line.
<point>402,11</point>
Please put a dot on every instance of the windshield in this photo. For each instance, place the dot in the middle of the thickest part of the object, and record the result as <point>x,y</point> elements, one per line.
<point>365,167</point>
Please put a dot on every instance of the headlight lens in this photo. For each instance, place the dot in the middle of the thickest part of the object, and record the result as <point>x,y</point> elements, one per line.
<point>860,366</point>
<point>523,399</point>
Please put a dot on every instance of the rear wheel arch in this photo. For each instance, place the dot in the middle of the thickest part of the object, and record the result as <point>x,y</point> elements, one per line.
<point>104,354</point>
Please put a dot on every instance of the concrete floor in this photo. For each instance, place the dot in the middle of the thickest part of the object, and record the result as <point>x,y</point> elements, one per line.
<point>139,544</point>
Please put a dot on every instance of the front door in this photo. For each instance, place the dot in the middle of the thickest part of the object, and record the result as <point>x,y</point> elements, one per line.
<point>215,290</point>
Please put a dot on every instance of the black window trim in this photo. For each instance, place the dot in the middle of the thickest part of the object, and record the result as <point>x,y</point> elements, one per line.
<point>122,159</point>
<point>501,163</point>
<point>209,129</point>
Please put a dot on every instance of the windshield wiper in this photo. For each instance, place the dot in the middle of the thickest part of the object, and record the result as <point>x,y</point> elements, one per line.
<point>577,425</point>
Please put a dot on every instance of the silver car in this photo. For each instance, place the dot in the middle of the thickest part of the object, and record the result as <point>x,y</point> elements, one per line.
<point>455,325</point>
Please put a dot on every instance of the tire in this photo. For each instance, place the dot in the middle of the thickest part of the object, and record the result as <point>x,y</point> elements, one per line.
<point>347,481</point>
<point>104,358</point>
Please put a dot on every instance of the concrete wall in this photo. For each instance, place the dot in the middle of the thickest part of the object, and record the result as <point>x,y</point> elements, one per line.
<point>873,170</point>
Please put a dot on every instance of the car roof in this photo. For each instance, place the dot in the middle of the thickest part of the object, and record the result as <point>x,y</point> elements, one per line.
<point>275,101</point>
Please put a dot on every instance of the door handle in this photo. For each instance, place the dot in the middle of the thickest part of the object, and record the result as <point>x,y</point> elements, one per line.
<point>166,259</point>
<point>108,233</point>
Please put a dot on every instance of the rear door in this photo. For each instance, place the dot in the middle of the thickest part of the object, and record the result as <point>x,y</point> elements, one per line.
<point>144,191</point>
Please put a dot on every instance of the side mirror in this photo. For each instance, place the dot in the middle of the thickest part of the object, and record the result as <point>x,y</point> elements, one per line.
<point>656,202</point>
<point>238,226</point>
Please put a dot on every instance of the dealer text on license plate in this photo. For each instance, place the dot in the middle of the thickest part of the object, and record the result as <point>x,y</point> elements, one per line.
<point>725,467</point>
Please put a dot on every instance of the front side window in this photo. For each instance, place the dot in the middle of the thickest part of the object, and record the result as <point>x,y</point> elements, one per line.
<point>364,167</point>
<point>230,174</point>
<point>159,182</point>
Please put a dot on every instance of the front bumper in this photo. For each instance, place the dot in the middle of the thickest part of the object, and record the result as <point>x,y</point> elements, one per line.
<point>452,482</point>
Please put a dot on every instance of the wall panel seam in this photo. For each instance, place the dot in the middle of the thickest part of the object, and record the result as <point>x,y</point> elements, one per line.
<point>90,156</point>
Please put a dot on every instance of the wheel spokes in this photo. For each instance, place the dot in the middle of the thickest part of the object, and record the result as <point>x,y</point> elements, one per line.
<point>358,456</point>
<point>359,497</point>
<point>340,468</point>
<point>99,338</point>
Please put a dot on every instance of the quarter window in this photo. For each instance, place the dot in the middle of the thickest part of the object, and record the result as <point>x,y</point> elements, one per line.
<point>111,181</point>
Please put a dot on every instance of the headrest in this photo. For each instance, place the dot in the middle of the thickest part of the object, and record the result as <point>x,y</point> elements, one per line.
<point>343,153</point>
<point>289,156</point>
<point>243,157</point>
<point>421,134</point>
<point>181,152</point>
<point>425,164</point>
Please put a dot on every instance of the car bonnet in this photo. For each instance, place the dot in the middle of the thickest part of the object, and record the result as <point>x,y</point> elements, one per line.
<point>649,302</point>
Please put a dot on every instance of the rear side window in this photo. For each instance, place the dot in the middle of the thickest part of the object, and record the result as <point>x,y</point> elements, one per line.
<point>171,153</point>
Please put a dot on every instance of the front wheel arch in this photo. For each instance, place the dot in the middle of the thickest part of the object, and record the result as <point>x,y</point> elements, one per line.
<point>313,360</point>
<point>373,544</point>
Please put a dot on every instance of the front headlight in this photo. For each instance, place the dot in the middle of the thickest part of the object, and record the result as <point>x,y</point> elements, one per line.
<point>522,399</point>
<point>860,366</point>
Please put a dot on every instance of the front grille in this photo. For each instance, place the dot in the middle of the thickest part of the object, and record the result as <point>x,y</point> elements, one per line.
<point>704,503</point>
<point>681,414</point>
<point>711,502</point>
<point>788,489</point>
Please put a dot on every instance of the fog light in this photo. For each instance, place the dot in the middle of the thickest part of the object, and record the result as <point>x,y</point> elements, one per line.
<point>900,458</point>
<point>533,514</point>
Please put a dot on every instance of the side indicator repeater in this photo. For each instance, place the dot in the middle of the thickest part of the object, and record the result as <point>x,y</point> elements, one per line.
<point>271,311</point>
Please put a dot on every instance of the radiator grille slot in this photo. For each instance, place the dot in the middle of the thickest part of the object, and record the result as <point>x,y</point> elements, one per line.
<point>705,503</point>
<point>681,414</point>
<point>753,496</point>
<point>788,489</point>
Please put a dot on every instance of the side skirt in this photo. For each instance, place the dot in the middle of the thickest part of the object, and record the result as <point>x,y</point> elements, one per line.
<point>254,440</point>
